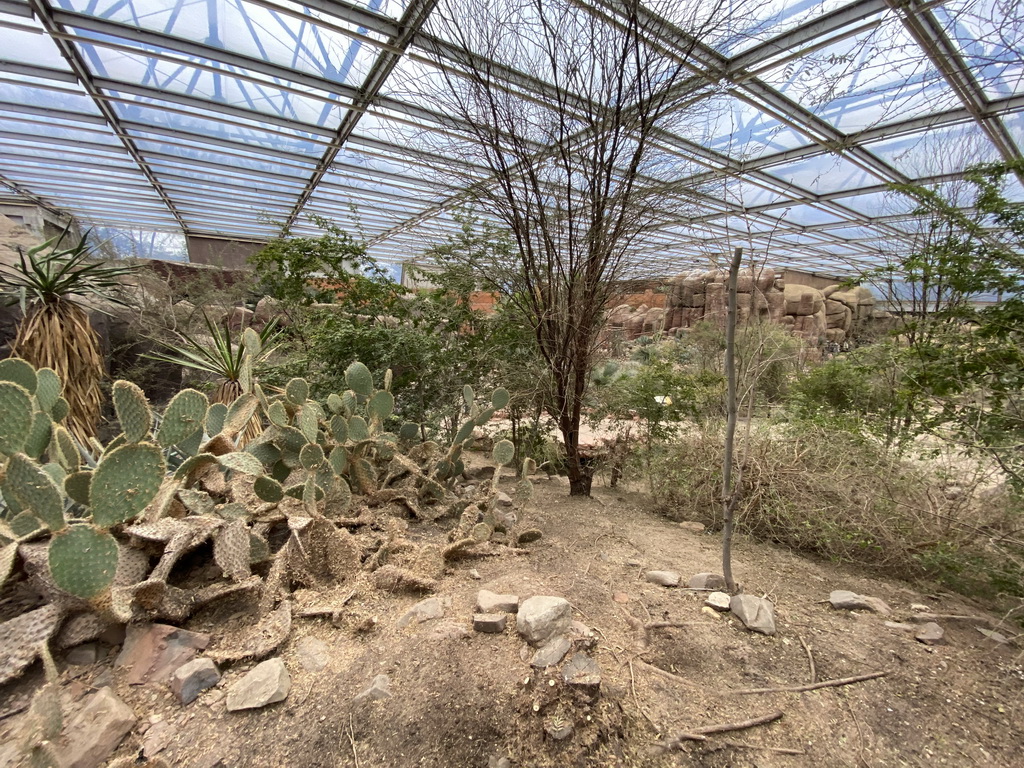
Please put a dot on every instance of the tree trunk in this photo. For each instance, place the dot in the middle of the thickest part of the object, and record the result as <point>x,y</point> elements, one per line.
<point>730,494</point>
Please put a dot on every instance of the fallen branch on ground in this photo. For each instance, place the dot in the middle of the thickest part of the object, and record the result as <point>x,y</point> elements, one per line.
<point>813,686</point>
<point>701,734</point>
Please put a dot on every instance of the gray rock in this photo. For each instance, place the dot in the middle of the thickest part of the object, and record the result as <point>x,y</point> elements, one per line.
<point>692,526</point>
<point>756,613</point>
<point>529,535</point>
<point>503,499</point>
<point>843,599</point>
<point>94,732</point>
<point>552,652</point>
<point>543,617</point>
<point>491,602</point>
<point>633,563</point>
<point>474,574</point>
<point>664,578</point>
<point>498,761</point>
<point>152,652</point>
<point>900,625</point>
<point>87,653</point>
<point>191,679</point>
<point>997,637</point>
<point>266,683</point>
<point>313,653</point>
<point>720,601</point>
<point>157,738</point>
<point>707,581</point>
<point>380,688</point>
<point>447,630</point>
<point>582,673</point>
<point>424,610</point>
<point>491,623</point>
<point>931,634</point>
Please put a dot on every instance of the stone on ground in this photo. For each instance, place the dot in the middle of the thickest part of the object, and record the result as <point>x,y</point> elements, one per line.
<point>191,679</point>
<point>491,602</point>
<point>81,655</point>
<point>96,729</point>
<point>844,599</point>
<point>552,652</point>
<point>664,578</point>
<point>707,581</point>
<point>529,535</point>
<point>720,601</point>
<point>156,739</point>
<point>380,688</point>
<point>266,683</point>
<point>424,610</point>
<point>152,652</point>
<point>583,673</point>
<point>313,653</point>
<point>931,634</point>
<point>491,623</point>
<point>756,613</point>
<point>542,617</point>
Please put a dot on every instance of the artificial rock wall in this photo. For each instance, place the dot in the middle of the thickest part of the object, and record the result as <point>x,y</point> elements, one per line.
<point>817,316</point>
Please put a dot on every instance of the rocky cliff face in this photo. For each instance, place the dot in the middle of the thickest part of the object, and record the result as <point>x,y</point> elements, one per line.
<point>817,316</point>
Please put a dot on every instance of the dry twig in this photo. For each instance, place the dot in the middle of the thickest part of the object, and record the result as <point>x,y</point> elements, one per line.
<point>352,740</point>
<point>810,659</point>
<point>813,686</point>
<point>701,734</point>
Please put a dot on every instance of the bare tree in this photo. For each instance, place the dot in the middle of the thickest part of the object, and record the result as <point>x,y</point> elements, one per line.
<point>556,125</point>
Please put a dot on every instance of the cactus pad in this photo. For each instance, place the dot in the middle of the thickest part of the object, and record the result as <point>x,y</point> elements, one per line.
<point>410,430</point>
<point>83,560</point>
<point>268,489</point>
<point>215,418</point>
<point>240,413</point>
<point>359,379</point>
<point>243,462</point>
<point>15,416</point>
<point>33,490</point>
<point>339,428</point>
<point>499,398</point>
<point>231,550</point>
<point>468,396</point>
<point>267,453</point>
<point>311,456</point>
<point>296,391</point>
<point>48,388</point>
<point>338,459</point>
<point>125,481</point>
<point>278,414</point>
<point>60,409</point>
<point>39,435</point>
<point>357,429</point>
<point>185,414</point>
<point>18,371</point>
<point>465,431</point>
<point>65,448</point>
<point>132,410</point>
<point>503,452</point>
<point>335,404</point>
<point>309,423</point>
<point>381,405</point>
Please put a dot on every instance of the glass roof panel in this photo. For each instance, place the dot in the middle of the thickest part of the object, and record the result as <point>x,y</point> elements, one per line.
<point>68,98</point>
<point>936,151</point>
<point>249,29</point>
<point>990,36</point>
<point>878,203</point>
<point>824,173</point>
<point>806,215</point>
<point>735,128</point>
<point>875,77</point>
<point>199,155</point>
<point>29,47</point>
<point>765,20</point>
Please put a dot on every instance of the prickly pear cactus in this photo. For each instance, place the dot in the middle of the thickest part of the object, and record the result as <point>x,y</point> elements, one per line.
<point>83,560</point>
<point>132,410</point>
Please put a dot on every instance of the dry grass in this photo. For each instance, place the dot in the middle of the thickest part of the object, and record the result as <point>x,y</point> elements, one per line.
<point>58,335</point>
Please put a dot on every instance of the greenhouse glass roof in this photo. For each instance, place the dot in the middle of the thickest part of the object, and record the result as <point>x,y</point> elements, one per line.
<point>231,118</point>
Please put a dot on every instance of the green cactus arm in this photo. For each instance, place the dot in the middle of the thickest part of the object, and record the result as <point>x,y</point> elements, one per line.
<point>268,489</point>
<point>296,391</point>
<point>83,560</point>
<point>19,372</point>
<point>215,415</point>
<point>499,398</point>
<point>357,429</point>
<point>76,486</point>
<point>243,462</point>
<point>309,423</point>
<point>34,491</point>
<point>240,413</point>
<point>125,482</point>
<point>185,414</point>
<point>48,388</point>
<point>359,379</point>
<point>380,406</point>
<point>132,410</point>
<point>39,435</point>
<point>15,416</point>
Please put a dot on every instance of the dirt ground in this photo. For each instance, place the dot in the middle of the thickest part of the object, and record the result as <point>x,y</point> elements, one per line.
<point>461,698</point>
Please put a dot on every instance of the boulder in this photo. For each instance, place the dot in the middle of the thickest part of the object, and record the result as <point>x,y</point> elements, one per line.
<point>266,683</point>
<point>707,581</point>
<point>543,617</point>
<point>664,578</point>
<point>931,634</point>
<point>803,300</point>
<point>95,730</point>
<point>552,652</point>
<point>756,613</point>
<point>843,599</point>
<point>490,623</point>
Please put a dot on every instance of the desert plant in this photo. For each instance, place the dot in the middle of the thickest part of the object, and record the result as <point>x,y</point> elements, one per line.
<point>55,331</point>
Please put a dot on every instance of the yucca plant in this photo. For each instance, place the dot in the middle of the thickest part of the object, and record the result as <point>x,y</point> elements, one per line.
<point>224,359</point>
<point>55,331</point>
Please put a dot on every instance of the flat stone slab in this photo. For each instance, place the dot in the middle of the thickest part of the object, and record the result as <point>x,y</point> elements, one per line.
<point>425,610</point>
<point>380,688</point>
<point>844,599</point>
<point>266,683</point>
<point>492,602</point>
<point>490,623</point>
<point>543,617</point>
<point>756,613</point>
<point>931,634</point>
<point>95,730</point>
<point>582,672</point>
<point>720,601</point>
<point>191,679</point>
<point>152,652</point>
<point>551,653</point>
<point>663,578</point>
<point>711,581</point>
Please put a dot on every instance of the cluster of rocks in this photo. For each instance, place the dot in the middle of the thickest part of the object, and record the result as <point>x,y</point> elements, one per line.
<point>829,315</point>
<point>755,613</point>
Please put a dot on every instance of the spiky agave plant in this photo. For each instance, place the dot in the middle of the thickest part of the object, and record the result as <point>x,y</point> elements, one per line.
<point>224,359</point>
<point>55,331</point>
